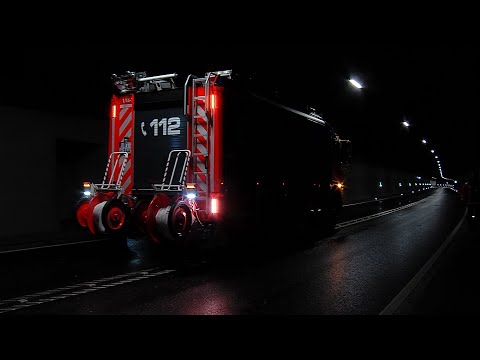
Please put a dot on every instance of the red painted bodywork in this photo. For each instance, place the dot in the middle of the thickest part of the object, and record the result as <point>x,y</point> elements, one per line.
<point>122,124</point>
<point>214,160</point>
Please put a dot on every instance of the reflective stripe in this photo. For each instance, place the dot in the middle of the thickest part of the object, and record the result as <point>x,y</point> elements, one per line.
<point>125,123</point>
<point>127,134</point>
<point>201,149</point>
<point>201,183</point>
<point>123,111</point>
<point>128,165</point>
<point>200,167</point>
<point>200,153</point>
<point>127,183</point>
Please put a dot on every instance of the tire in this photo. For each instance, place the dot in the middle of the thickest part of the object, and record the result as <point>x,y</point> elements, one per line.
<point>331,222</point>
<point>334,212</point>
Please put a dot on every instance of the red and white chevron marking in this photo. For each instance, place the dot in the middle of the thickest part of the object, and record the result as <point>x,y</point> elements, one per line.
<point>121,127</point>
<point>200,151</point>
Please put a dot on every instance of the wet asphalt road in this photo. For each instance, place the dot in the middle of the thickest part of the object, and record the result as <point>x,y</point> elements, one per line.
<point>358,270</point>
<point>454,288</point>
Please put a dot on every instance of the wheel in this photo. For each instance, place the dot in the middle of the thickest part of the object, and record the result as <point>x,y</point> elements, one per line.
<point>335,212</point>
<point>332,218</point>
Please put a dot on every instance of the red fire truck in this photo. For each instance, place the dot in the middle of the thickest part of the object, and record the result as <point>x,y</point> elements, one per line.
<point>210,157</point>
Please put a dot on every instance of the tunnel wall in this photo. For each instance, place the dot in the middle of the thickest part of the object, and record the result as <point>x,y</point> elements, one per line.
<point>45,159</point>
<point>363,183</point>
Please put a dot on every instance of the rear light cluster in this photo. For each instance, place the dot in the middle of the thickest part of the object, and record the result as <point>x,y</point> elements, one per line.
<point>213,102</point>
<point>191,191</point>
<point>87,189</point>
<point>337,184</point>
<point>214,206</point>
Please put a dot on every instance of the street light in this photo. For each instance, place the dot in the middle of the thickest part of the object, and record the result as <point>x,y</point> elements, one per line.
<point>424,141</point>
<point>356,84</point>
<point>433,151</point>
<point>406,124</point>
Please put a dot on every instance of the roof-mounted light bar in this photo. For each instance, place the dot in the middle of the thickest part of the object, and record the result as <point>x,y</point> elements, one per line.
<point>220,73</point>
<point>158,77</point>
<point>317,119</point>
<point>356,84</point>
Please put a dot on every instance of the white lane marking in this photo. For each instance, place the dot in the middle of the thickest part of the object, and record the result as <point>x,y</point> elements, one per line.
<point>395,304</point>
<point>83,288</point>
<point>375,216</point>
<point>77,286</point>
<point>16,307</point>
<point>52,246</point>
<point>33,303</point>
<point>80,292</point>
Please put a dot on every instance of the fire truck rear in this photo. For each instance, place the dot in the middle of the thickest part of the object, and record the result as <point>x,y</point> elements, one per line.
<point>211,156</point>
